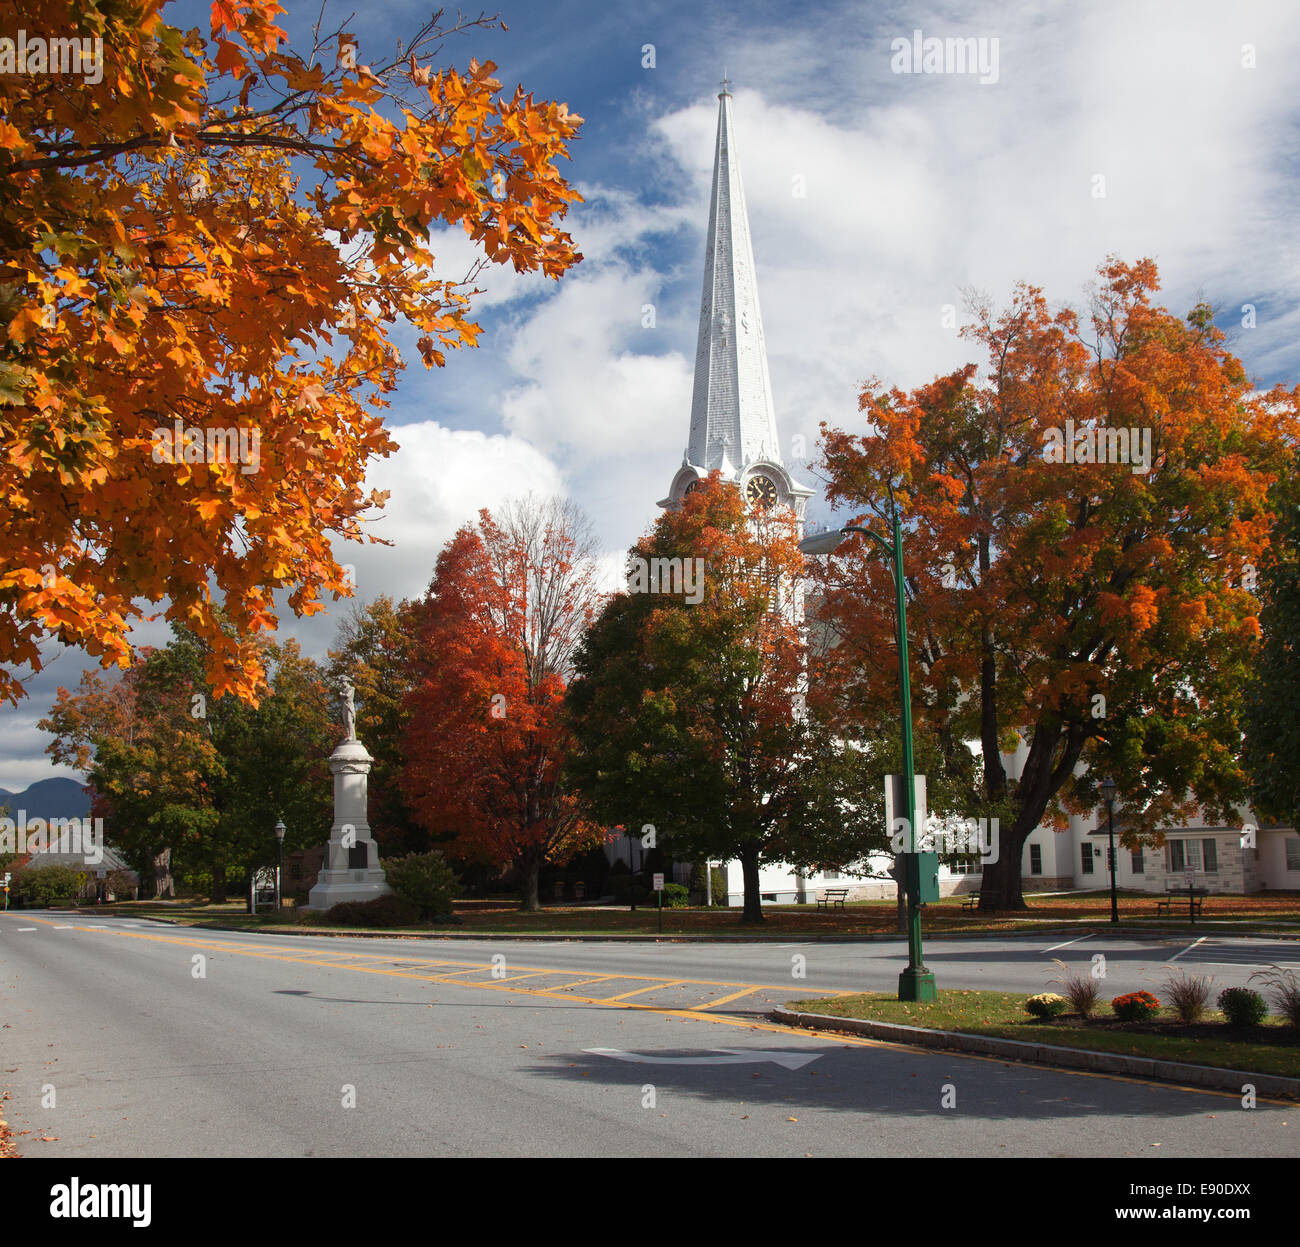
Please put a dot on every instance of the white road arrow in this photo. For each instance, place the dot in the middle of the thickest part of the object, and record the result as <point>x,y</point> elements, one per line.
<point>727,1056</point>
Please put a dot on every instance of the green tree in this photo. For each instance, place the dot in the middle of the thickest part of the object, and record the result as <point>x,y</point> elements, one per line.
<point>692,716</point>
<point>202,779</point>
<point>1273,700</point>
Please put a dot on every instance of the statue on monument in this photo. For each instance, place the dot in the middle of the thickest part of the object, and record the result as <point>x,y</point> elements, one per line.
<point>352,871</point>
<point>349,711</point>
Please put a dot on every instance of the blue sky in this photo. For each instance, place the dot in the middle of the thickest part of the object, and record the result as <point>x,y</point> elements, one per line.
<point>916,186</point>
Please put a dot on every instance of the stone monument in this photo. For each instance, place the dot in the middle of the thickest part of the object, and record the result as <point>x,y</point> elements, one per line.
<point>352,871</point>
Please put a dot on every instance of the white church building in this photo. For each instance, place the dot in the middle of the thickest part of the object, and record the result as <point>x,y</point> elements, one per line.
<point>733,429</point>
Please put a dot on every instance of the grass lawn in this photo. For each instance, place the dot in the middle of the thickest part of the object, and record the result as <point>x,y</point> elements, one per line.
<point>1273,1048</point>
<point>1278,912</point>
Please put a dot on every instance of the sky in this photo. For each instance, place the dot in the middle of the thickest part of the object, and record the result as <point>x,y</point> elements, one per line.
<point>876,199</point>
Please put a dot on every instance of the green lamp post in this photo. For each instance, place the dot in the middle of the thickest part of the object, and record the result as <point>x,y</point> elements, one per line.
<point>916,982</point>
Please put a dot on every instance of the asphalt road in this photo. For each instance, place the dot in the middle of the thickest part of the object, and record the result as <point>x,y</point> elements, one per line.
<point>128,1038</point>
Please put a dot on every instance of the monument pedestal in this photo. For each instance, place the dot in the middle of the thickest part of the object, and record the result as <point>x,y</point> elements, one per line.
<point>352,871</point>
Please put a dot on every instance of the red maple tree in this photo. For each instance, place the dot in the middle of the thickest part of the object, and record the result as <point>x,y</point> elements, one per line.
<point>486,742</point>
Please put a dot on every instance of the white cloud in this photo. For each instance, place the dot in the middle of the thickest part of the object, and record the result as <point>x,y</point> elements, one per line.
<point>438,482</point>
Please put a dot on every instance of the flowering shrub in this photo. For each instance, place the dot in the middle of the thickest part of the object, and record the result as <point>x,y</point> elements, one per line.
<point>1046,1005</point>
<point>1135,1006</point>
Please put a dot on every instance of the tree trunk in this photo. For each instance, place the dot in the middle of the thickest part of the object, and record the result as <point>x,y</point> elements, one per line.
<point>1000,886</point>
<point>753,908</point>
<point>218,883</point>
<point>528,901</point>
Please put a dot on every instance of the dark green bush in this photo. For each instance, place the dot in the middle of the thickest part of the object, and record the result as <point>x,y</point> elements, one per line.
<point>383,911</point>
<point>676,896</point>
<point>39,886</point>
<point>1242,1007</point>
<point>425,880</point>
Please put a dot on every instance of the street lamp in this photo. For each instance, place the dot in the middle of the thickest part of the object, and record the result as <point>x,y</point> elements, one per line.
<point>916,982</point>
<point>279,870</point>
<point>1108,789</point>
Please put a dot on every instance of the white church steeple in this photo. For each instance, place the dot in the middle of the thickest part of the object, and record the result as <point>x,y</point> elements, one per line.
<point>733,421</point>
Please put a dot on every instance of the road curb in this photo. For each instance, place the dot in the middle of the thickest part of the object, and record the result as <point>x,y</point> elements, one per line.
<point>1210,1076</point>
<point>781,937</point>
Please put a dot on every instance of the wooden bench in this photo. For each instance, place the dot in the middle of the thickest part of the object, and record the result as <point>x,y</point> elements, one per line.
<point>971,902</point>
<point>1176,904</point>
<point>832,897</point>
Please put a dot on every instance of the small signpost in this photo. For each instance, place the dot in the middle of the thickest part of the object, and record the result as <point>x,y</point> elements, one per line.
<point>6,889</point>
<point>1190,876</point>
<point>658,885</point>
<point>263,881</point>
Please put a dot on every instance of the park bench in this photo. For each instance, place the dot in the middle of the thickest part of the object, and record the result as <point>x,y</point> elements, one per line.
<point>1177,902</point>
<point>971,902</point>
<point>832,897</point>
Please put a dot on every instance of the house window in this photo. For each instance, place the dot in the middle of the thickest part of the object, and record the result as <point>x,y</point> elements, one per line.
<point>1193,855</point>
<point>1035,859</point>
<point>1293,854</point>
<point>965,866</point>
<point>830,874</point>
<point>1087,859</point>
<point>1139,862</point>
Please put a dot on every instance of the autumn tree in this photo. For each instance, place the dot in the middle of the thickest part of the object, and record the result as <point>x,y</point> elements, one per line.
<point>204,248</point>
<point>487,740</point>
<point>691,707</point>
<point>1078,521</point>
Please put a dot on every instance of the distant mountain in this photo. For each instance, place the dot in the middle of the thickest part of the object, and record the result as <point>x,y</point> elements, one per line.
<point>48,798</point>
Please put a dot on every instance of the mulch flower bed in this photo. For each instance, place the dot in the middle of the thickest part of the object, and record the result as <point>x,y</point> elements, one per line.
<point>1172,1028</point>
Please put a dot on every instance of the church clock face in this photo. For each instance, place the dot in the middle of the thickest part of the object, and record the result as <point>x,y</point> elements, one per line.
<point>761,489</point>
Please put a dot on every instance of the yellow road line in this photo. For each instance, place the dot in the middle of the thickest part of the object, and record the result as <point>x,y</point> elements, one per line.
<point>640,991</point>
<point>722,1000</point>
<point>604,978</point>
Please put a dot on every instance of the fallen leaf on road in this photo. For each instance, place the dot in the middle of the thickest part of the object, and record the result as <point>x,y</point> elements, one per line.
<point>792,1119</point>
<point>49,1138</point>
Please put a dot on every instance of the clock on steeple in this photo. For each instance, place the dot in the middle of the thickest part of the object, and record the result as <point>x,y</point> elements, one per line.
<point>761,489</point>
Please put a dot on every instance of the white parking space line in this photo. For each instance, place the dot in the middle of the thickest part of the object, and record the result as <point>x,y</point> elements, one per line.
<point>1067,943</point>
<point>27,928</point>
<point>1188,949</point>
<point>1250,965</point>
